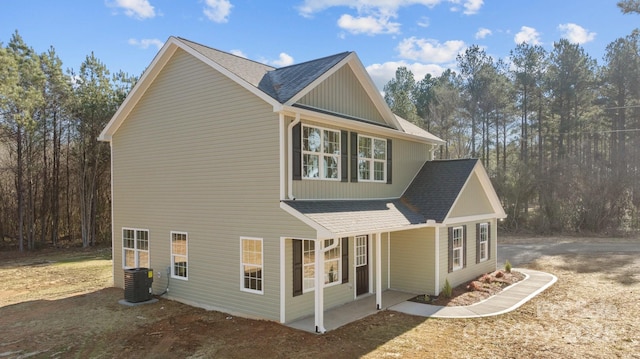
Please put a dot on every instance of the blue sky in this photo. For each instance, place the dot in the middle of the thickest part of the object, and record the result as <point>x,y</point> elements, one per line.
<point>424,35</point>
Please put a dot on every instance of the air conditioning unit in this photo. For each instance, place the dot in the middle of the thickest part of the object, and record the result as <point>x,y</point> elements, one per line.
<point>137,284</point>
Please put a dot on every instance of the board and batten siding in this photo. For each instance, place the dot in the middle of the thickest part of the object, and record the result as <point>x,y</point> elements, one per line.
<point>413,261</point>
<point>472,270</point>
<point>473,200</point>
<point>200,154</point>
<point>407,157</point>
<point>342,93</point>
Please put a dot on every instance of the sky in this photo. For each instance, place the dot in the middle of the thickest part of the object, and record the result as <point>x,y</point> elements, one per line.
<point>423,35</point>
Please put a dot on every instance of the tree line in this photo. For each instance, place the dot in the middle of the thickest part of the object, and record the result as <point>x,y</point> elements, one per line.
<point>558,133</point>
<point>54,174</point>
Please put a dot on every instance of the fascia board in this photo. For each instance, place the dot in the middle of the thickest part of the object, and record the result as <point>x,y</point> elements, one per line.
<point>354,125</point>
<point>321,232</point>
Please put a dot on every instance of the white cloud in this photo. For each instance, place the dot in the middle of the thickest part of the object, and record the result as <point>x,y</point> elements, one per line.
<point>238,53</point>
<point>482,33</point>
<point>424,22</point>
<point>472,6</point>
<point>140,9</point>
<point>283,60</point>
<point>429,50</point>
<point>529,35</point>
<point>145,43</point>
<point>576,33</point>
<point>373,16</point>
<point>217,10</point>
<point>383,73</point>
<point>369,25</point>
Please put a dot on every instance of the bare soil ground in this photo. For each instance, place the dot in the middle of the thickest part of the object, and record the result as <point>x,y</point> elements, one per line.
<point>61,305</point>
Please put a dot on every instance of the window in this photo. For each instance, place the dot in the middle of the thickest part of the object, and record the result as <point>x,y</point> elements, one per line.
<point>332,264</point>
<point>457,244</point>
<point>179,255</point>
<point>372,159</point>
<point>251,265</point>
<point>483,241</point>
<point>320,153</point>
<point>135,248</point>
<point>361,251</point>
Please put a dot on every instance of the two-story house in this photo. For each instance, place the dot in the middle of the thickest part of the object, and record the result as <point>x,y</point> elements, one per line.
<point>277,193</point>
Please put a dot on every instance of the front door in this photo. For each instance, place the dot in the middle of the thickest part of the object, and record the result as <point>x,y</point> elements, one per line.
<point>362,265</point>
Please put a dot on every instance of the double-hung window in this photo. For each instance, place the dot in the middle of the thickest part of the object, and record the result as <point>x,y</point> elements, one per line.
<point>320,153</point>
<point>458,248</point>
<point>251,265</point>
<point>372,159</point>
<point>179,242</point>
<point>483,241</point>
<point>135,248</point>
<point>332,264</point>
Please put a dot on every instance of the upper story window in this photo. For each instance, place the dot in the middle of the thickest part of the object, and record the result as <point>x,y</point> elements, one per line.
<point>135,248</point>
<point>320,153</point>
<point>372,159</point>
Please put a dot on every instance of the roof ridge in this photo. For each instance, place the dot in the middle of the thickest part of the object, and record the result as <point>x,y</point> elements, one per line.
<point>225,52</point>
<point>345,53</point>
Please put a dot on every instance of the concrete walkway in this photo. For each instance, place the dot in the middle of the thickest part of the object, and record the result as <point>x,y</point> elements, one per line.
<point>507,300</point>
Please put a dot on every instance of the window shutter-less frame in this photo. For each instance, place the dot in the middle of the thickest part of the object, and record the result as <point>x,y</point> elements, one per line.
<point>450,242</point>
<point>344,156</point>
<point>345,260</point>
<point>389,164</point>
<point>297,267</point>
<point>354,156</point>
<point>296,156</point>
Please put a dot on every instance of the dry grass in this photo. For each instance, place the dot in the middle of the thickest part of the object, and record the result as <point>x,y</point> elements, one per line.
<point>60,305</point>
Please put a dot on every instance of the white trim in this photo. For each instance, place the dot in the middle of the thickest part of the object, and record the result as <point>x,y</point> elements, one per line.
<point>321,155</point>
<point>372,160</point>
<point>388,260</point>
<point>283,241</point>
<point>242,263</point>
<point>467,219</point>
<point>283,153</point>
<point>135,245</point>
<point>173,276</point>
<point>437,271</point>
<point>113,221</point>
<point>378,257</point>
<point>348,124</point>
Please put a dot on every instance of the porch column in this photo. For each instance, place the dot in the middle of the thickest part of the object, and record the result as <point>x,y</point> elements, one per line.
<point>319,286</point>
<point>378,271</point>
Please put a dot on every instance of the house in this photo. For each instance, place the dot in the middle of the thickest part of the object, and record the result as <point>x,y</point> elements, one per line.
<point>239,182</point>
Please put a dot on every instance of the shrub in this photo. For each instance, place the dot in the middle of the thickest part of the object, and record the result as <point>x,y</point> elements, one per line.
<point>447,290</point>
<point>507,266</point>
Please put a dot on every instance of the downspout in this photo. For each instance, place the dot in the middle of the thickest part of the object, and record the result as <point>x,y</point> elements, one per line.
<point>282,155</point>
<point>290,161</point>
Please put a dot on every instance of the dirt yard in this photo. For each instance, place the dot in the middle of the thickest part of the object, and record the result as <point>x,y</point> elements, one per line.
<point>61,305</point>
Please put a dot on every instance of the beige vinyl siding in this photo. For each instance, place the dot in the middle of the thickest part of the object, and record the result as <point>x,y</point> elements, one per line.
<point>472,270</point>
<point>342,93</point>
<point>413,260</point>
<point>200,154</point>
<point>408,158</point>
<point>473,200</point>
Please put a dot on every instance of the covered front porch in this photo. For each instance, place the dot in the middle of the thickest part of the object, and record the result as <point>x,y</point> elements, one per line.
<point>344,314</point>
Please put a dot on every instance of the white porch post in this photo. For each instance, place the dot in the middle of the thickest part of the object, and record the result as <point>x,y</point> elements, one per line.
<point>437,261</point>
<point>319,286</point>
<point>378,271</point>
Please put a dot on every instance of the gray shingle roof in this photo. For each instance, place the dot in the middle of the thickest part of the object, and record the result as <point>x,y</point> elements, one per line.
<point>436,187</point>
<point>280,83</point>
<point>430,196</point>
<point>365,216</point>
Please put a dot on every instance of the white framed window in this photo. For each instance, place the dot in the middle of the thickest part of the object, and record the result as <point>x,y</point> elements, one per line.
<point>179,255</point>
<point>251,273</point>
<point>361,251</point>
<point>332,264</point>
<point>372,159</point>
<point>135,248</point>
<point>320,153</point>
<point>484,241</point>
<point>458,248</point>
